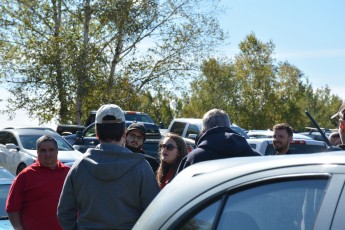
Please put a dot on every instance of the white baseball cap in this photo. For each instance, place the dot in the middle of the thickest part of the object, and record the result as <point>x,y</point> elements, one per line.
<point>109,110</point>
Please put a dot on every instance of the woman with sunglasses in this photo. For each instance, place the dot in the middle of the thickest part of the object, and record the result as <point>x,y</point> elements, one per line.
<point>172,149</point>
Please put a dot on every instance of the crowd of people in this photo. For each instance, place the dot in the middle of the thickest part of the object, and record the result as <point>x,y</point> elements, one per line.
<point>111,186</point>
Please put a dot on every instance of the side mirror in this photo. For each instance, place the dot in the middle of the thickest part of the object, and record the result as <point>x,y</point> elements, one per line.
<point>12,146</point>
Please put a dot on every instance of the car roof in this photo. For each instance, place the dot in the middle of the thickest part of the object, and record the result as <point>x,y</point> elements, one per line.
<point>199,178</point>
<point>194,121</point>
<point>30,131</point>
<point>31,127</point>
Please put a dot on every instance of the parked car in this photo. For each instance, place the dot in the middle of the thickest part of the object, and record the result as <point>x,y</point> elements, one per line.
<point>269,134</point>
<point>297,146</point>
<point>249,193</point>
<point>18,148</point>
<point>6,180</point>
<point>190,128</point>
<point>87,139</point>
<point>315,134</point>
<point>132,116</point>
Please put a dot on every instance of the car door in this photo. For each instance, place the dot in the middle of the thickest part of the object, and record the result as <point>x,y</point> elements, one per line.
<point>89,139</point>
<point>288,201</point>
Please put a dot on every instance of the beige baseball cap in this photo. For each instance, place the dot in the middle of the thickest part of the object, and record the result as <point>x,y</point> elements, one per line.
<point>110,110</point>
<point>340,112</point>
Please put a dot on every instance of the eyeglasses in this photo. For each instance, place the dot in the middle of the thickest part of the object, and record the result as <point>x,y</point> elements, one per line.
<point>133,136</point>
<point>169,147</point>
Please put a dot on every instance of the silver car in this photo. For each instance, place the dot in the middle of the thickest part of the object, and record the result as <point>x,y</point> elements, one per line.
<point>18,148</point>
<point>269,192</point>
<point>6,179</point>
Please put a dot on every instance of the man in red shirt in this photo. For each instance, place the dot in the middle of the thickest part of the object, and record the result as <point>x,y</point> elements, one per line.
<point>34,194</point>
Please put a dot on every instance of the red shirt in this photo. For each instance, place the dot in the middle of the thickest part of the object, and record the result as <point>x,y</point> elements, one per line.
<point>35,193</point>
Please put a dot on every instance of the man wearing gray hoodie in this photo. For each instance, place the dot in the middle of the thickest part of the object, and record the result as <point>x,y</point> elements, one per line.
<point>111,186</point>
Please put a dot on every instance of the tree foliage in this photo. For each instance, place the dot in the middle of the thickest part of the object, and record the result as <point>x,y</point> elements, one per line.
<point>63,58</point>
<point>258,92</point>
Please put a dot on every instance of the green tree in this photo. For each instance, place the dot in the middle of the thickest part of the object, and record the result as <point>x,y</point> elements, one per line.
<point>216,87</point>
<point>255,74</point>
<point>257,92</point>
<point>65,57</point>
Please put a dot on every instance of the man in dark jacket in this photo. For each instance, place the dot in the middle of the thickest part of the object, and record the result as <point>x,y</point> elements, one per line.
<point>135,138</point>
<point>217,141</point>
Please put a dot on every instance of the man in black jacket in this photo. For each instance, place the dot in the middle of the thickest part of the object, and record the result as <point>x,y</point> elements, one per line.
<point>135,137</point>
<point>217,141</point>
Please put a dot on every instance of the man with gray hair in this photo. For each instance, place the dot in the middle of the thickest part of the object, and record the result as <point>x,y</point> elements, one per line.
<point>217,141</point>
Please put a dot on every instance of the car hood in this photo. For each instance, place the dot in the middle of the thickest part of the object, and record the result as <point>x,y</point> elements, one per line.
<point>5,224</point>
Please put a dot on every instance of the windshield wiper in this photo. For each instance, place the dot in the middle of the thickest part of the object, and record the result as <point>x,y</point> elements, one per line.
<point>3,217</point>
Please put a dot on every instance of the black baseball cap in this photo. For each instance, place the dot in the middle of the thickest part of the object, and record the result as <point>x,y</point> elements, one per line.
<point>136,126</point>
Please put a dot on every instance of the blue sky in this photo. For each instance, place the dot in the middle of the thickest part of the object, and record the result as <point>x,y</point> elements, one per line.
<point>309,34</point>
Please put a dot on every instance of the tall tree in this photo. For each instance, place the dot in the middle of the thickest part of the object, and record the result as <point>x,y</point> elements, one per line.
<point>257,92</point>
<point>255,73</point>
<point>100,47</point>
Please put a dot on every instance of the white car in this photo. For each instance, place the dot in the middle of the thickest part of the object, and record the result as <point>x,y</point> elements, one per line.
<point>302,191</point>
<point>191,127</point>
<point>297,146</point>
<point>18,148</point>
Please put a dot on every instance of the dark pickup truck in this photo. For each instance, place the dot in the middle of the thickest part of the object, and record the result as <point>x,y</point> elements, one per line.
<point>132,116</point>
<point>86,138</point>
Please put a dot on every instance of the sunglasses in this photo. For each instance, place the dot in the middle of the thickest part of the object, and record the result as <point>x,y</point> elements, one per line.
<point>169,147</point>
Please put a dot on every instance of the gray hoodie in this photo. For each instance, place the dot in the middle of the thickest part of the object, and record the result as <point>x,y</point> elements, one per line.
<point>108,189</point>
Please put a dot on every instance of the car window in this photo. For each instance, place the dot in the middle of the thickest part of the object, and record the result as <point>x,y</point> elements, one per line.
<point>29,142</point>
<point>192,129</point>
<point>204,219</point>
<point>10,139</point>
<point>278,205</point>
<point>90,132</point>
<point>138,117</point>
<point>286,204</point>
<point>2,138</point>
<point>178,128</point>
<point>298,149</point>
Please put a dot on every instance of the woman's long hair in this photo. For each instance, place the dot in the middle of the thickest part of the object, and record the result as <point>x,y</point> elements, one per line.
<point>163,166</point>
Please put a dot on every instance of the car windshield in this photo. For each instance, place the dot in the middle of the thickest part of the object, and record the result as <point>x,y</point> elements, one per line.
<point>138,117</point>
<point>29,142</point>
<point>4,188</point>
